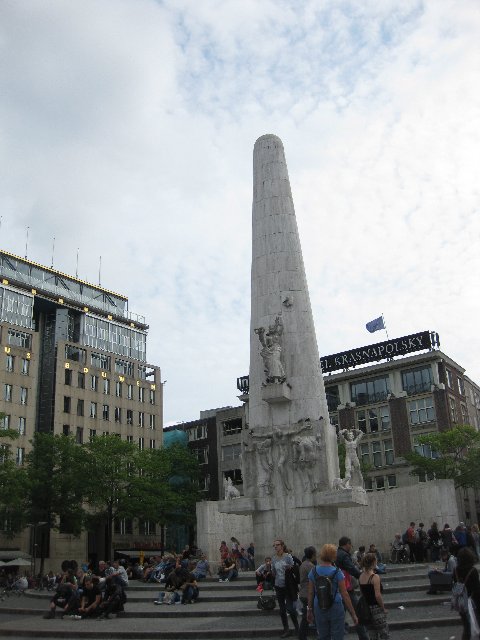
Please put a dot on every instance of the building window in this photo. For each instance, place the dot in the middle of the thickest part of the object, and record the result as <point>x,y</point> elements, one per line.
<point>365,453</point>
<point>333,397</point>
<point>81,380</point>
<point>23,395</point>
<point>141,419</point>
<point>94,382</point>
<point>5,422</point>
<point>417,380</point>
<point>377,454</point>
<point>453,409</point>
<point>7,392</point>
<point>152,444</point>
<point>421,410</point>
<point>146,528</point>
<point>197,433</point>
<point>425,450</point>
<point>129,416</point>
<point>129,391</point>
<point>75,353</point>
<point>142,372</point>
<point>231,452</point>
<point>368,484</point>
<point>106,386</point>
<point>379,483</point>
<point>370,391</point>
<point>461,386</point>
<point>19,339</point>
<point>21,426</point>
<point>464,411</point>
<point>66,430</point>
<point>80,407</point>
<point>372,420</point>
<point>105,412</point>
<point>426,477</point>
<point>66,404</point>
<point>100,361</point>
<point>141,394</point>
<point>392,481</point>
<point>9,365</point>
<point>92,434</point>
<point>449,378</point>
<point>152,421</point>
<point>201,454</point>
<point>130,439</point>
<point>231,427</point>
<point>388,450</point>
<point>79,435</point>
<point>25,367</point>
<point>118,414</point>
<point>141,443</point>
<point>204,483</point>
<point>93,409</point>
<point>68,377</point>
<point>20,456</point>
<point>152,396</point>
<point>123,367</point>
<point>118,389</point>
<point>235,475</point>
<point>123,526</point>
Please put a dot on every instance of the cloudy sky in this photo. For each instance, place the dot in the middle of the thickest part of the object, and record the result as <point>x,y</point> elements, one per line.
<point>127,129</point>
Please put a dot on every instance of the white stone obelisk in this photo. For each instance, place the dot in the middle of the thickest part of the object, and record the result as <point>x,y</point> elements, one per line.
<point>290,456</point>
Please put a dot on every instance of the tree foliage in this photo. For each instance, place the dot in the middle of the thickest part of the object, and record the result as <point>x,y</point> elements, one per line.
<point>454,454</point>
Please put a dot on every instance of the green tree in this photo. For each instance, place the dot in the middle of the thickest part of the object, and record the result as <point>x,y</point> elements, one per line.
<point>14,486</point>
<point>112,466</point>
<point>452,454</point>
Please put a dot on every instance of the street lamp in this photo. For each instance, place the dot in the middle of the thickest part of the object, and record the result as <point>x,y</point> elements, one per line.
<point>34,526</point>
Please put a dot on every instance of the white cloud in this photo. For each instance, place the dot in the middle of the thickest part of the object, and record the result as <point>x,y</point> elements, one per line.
<point>127,131</point>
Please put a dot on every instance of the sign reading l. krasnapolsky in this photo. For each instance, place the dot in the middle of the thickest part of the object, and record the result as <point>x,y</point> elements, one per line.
<point>381,351</point>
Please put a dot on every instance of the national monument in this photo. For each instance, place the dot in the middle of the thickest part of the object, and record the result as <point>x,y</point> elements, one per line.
<point>290,467</point>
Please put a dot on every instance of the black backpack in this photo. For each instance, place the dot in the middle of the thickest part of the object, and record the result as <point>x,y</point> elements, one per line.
<point>324,589</point>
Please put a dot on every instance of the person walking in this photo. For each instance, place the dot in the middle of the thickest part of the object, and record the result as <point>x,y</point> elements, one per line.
<point>310,559</point>
<point>281,561</point>
<point>329,619</point>
<point>371,588</point>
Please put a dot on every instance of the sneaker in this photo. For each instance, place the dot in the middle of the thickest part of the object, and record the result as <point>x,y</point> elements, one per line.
<point>226,580</point>
<point>77,617</point>
<point>157,602</point>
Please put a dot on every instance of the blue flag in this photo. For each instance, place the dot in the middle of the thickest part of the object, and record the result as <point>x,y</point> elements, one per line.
<point>375,325</point>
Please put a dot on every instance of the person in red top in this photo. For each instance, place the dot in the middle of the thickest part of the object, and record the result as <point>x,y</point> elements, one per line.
<point>411,540</point>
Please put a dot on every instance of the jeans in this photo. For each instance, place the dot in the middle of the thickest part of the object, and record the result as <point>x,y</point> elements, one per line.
<point>330,623</point>
<point>285,604</point>
<point>190,593</point>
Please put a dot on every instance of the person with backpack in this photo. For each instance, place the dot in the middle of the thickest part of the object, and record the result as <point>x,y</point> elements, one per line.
<point>421,543</point>
<point>281,561</point>
<point>327,596</point>
<point>371,588</point>
<point>467,586</point>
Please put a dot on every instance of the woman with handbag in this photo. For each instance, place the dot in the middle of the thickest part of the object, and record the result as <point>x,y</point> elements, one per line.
<point>371,588</point>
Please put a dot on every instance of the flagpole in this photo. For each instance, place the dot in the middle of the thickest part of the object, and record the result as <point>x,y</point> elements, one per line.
<point>385,326</point>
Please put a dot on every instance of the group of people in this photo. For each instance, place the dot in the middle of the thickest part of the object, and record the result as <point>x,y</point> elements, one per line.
<point>323,584</point>
<point>244,557</point>
<point>83,594</point>
<point>417,544</point>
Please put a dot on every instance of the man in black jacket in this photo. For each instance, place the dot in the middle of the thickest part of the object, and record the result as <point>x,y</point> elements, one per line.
<point>346,564</point>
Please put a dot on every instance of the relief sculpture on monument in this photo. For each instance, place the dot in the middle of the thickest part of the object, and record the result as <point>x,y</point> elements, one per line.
<point>353,474</point>
<point>272,351</point>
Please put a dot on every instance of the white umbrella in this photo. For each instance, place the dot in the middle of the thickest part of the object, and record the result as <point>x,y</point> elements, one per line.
<point>17,562</point>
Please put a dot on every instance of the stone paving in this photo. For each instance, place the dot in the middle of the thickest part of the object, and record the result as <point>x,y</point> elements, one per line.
<point>226,611</point>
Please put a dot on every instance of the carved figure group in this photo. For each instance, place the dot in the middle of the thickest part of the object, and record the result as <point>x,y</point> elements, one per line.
<point>272,351</point>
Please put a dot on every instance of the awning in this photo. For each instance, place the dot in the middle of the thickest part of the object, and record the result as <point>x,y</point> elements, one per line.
<point>11,554</point>
<point>17,562</point>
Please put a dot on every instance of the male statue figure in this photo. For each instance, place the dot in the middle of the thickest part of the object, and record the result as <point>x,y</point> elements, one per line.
<point>353,475</point>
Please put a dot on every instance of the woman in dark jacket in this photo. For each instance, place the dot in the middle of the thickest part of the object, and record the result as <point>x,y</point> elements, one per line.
<point>466,573</point>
